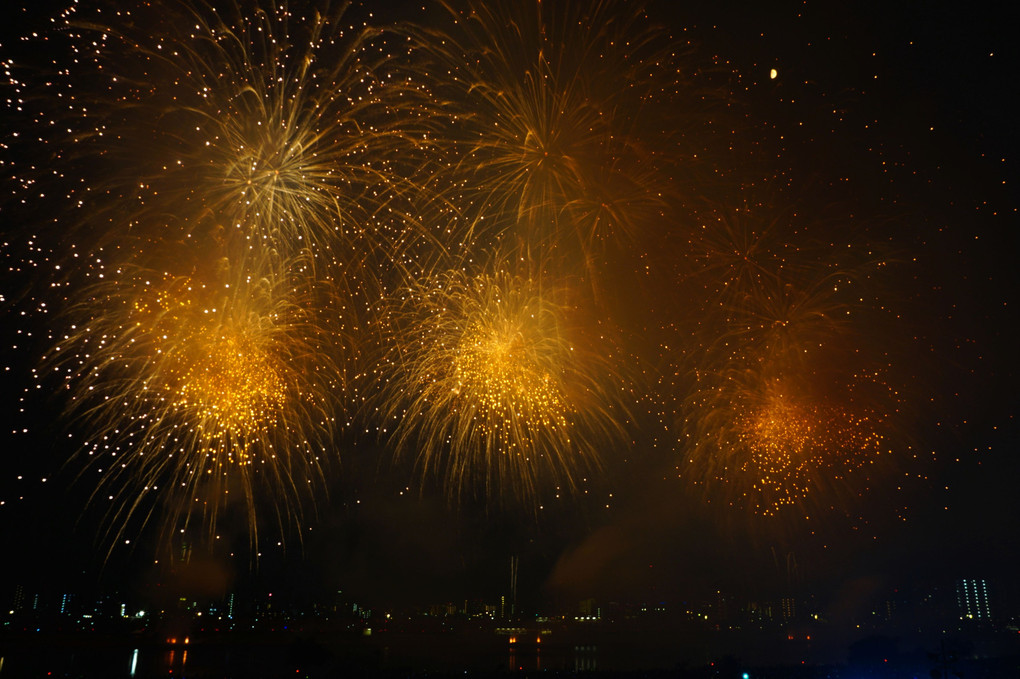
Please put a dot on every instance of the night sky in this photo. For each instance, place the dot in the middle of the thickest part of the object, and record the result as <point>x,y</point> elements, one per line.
<point>890,129</point>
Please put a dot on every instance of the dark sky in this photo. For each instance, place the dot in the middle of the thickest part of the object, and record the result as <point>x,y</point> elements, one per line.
<point>901,115</point>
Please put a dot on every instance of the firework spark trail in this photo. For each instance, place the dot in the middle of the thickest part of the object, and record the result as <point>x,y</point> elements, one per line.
<point>220,168</point>
<point>779,397</point>
<point>193,389</point>
<point>238,201</point>
<point>490,387</point>
<point>558,145</point>
<point>251,126</point>
<point>780,409</point>
<point>777,444</point>
<point>736,252</point>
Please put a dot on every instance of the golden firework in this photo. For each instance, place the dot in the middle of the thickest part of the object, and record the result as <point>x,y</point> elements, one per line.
<point>772,440</point>
<point>251,125</point>
<point>200,392</point>
<point>241,175</point>
<point>554,125</point>
<point>494,387</point>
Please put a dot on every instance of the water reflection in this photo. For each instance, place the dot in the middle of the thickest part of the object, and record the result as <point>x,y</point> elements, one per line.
<point>171,659</point>
<point>526,653</point>
<point>534,654</point>
<point>586,658</point>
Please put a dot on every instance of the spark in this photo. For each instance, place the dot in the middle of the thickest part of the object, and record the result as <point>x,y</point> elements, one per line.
<point>493,390</point>
<point>192,387</point>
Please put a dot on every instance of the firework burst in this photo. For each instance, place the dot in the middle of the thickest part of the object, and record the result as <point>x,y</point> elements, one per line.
<point>252,125</point>
<point>778,443</point>
<point>554,133</point>
<point>779,403</point>
<point>236,204</point>
<point>234,182</point>
<point>199,391</point>
<point>495,388</point>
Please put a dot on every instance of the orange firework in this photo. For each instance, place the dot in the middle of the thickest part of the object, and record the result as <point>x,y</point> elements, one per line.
<point>554,130</point>
<point>200,392</point>
<point>493,386</point>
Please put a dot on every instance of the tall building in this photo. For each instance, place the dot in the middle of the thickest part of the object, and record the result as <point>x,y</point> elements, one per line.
<point>789,607</point>
<point>972,600</point>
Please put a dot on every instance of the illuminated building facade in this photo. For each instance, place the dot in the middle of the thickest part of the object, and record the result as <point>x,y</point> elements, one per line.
<point>972,600</point>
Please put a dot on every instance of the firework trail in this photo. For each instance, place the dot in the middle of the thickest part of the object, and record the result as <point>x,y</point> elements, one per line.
<point>233,185</point>
<point>558,143</point>
<point>495,388</point>
<point>780,410</point>
<point>237,204</point>
<point>776,396</point>
<point>195,387</point>
<point>776,443</point>
<point>253,126</point>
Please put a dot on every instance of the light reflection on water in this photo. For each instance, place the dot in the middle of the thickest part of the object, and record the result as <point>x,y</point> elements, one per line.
<point>586,658</point>
<point>522,657</point>
<point>275,660</point>
<point>126,662</point>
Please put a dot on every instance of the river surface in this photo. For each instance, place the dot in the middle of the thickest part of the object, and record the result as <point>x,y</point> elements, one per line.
<point>297,657</point>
